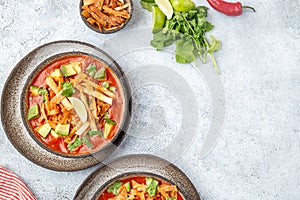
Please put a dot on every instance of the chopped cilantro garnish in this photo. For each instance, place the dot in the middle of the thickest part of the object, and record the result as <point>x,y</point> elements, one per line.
<point>68,89</point>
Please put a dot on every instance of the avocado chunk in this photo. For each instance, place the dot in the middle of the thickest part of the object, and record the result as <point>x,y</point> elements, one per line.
<point>33,112</point>
<point>107,129</point>
<point>34,90</point>
<point>62,129</point>
<point>91,69</point>
<point>151,187</point>
<point>44,130</point>
<point>56,73</point>
<point>68,70</point>
<point>127,186</point>
<point>54,134</point>
<point>100,74</point>
<point>77,67</point>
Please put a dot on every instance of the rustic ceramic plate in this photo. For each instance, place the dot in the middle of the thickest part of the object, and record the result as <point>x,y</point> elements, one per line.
<point>140,164</point>
<point>11,107</point>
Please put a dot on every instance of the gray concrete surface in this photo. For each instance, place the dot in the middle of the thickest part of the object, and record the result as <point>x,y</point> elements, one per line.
<point>257,155</point>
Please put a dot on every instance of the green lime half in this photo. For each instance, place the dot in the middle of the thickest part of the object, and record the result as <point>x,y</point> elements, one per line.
<point>182,5</point>
<point>159,19</point>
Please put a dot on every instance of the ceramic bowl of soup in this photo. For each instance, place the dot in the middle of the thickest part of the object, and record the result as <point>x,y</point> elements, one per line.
<point>137,176</point>
<point>75,104</point>
<point>139,186</point>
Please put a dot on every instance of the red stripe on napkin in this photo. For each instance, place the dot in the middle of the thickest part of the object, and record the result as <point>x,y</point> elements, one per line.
<point>12,187</point>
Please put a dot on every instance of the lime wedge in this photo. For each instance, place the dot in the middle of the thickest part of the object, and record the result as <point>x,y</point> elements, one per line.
<point>159,19</point>
<point>166,7</point>
<point>182,5</point>
<point>79,108</point>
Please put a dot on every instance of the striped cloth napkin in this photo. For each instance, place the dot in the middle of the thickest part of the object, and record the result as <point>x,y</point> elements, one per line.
<point>12,187</point>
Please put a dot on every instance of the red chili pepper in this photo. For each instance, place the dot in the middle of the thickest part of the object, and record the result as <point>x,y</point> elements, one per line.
<point>228,8</point>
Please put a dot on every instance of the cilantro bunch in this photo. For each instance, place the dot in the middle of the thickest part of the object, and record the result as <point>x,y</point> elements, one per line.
<point>188,31</point>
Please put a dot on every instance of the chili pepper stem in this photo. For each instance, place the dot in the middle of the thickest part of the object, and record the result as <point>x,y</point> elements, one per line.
<point>249,7</point>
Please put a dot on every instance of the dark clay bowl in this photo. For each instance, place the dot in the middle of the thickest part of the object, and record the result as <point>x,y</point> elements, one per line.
<point>96,29</point>
<point>133,166</point>
<point>103,150</point>
<point>104,187</point>
<point>13,105</point>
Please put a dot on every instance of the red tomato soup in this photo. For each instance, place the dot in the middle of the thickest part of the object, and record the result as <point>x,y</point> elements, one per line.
<point>75,105</point>
<point>133,187</point>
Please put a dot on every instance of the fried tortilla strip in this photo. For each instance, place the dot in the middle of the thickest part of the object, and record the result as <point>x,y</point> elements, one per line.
<point>122,7</point>
<point>113,28</point>
<point>53,112</point>
<point>119,20</point>
<point>103,16</point>
<point>43,113</point>
<point>93,107</point>
<point>68,139</point>
<point>95,94</point>
<point>139,187</point>
<point>103,108</point>
<point>52,124</point>
<point>123,193</point>
<point>98,19</point>
<point>65,102</point>
<point>165,189</point>
<point>89,2</point>
<point>57,98</point>
<point>113,12</point>
<point>99,4</point>
<point>51,83</point>
<point>101,89</point>
<point>91,119</point>
<point>163,193</point>
<point>85,13</point>
<point>79,78</point>
<point>91,20</point>
<point>112,4</point>
<point>169,188</point>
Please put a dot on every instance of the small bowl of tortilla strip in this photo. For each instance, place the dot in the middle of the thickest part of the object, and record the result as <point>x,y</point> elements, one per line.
<point>106,16</point>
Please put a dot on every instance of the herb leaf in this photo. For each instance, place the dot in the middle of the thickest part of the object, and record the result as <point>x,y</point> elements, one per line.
<point>68,89</point>
<point>188,31</point>
<point>43,92</point>
<point>185,50</point>
<point>76,144</point>
<point>109,121</point>
<point>87,142</point>
<point>93,133</point>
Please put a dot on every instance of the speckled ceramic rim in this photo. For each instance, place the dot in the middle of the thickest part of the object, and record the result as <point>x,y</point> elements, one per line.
<point>11,112</point>
<point>129,175</point>
<point>137,164</point>
<point>24,104</point>
<point>94,28</point>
